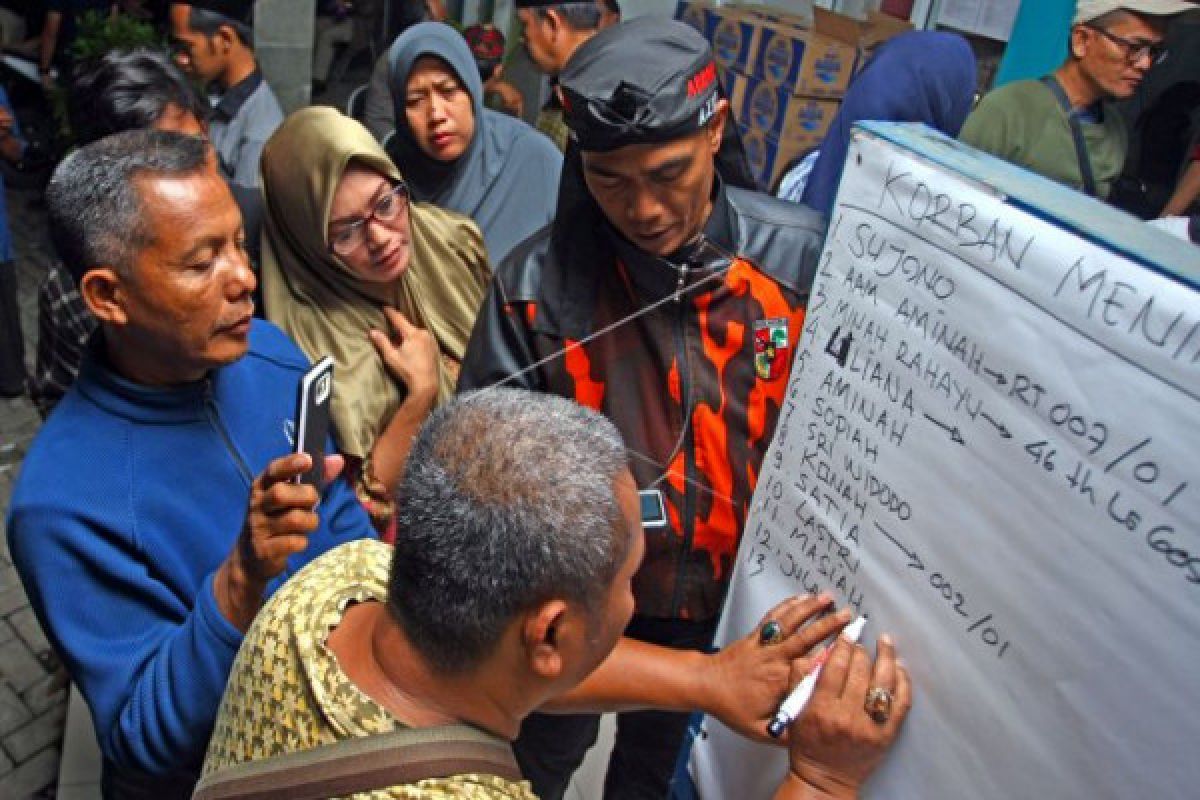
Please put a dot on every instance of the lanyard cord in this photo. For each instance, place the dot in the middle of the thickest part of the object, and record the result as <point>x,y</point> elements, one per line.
<point>675,296</point>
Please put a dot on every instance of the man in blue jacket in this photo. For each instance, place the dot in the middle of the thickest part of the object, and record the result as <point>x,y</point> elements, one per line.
<point>156,508</point>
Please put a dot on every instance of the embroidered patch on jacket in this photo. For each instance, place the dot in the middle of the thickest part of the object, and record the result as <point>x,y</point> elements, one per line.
<point>771,348</point>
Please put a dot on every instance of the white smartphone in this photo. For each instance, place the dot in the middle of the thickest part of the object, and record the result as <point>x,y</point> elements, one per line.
<point>312,418</point>
<point>654,511</point>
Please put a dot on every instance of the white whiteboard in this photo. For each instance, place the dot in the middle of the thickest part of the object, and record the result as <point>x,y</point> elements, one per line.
<point>1005,476</point>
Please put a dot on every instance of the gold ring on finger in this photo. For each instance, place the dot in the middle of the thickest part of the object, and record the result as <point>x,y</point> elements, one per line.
<point>878,704</point>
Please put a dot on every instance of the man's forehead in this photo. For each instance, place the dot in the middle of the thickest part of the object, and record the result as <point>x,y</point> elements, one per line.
<point>643,158</point>
<point>202,191</point>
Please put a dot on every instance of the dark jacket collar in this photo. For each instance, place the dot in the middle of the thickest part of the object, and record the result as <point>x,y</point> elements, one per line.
<point>235,96</point>
<point>655,277</point>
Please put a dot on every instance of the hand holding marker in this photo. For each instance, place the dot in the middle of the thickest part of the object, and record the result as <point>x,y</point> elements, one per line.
<point>793,706</point>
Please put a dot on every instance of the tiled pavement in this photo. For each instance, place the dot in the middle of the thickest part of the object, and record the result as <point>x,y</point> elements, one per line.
<point>33,699</point>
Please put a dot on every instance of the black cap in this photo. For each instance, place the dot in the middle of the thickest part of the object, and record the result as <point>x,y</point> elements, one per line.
<point>237,10</point>
<point>643,81</point>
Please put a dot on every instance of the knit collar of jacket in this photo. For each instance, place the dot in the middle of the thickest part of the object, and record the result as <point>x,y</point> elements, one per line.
<point>655,277</point>
<point>100,383</point>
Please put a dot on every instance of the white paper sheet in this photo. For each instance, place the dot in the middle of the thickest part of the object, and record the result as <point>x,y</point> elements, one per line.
<point>991,18</point>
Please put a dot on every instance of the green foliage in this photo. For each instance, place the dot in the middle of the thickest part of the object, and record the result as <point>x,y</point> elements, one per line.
<point>100,32</point>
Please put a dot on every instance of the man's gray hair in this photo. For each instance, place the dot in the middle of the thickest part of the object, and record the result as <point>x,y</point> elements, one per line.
<point>95,211</point>
<point>582,16</point>
<point>507,502</point>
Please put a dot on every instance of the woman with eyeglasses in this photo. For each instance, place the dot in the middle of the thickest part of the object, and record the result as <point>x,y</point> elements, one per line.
<point>352,269</point>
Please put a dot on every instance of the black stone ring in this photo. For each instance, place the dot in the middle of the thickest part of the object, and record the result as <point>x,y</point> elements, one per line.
<point>770,633</point>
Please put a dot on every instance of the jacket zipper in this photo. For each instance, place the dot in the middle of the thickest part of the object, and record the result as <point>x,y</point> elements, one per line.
<point>214,419</point>
<point>689,471</point>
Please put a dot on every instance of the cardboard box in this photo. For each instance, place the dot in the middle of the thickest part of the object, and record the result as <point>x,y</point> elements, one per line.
<point>799,13</point>
<point>735,39</point>
<point>805,61</point>
<point>734,85</point>
<point>777,113</point>
<point>880,27</point>
<point>768,158</point>
<point>732,32</point>
<point>700,15</point>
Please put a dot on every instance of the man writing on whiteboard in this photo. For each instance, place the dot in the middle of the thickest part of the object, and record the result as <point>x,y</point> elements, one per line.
<point>1061,126</point>
<point>672,303</point>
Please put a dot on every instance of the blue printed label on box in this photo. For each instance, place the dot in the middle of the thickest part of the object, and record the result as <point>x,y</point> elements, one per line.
<point>781,57</point>
<point>764,107</point>
<point>700,16</point>
<point>735,42</point>
<point>804,62</point>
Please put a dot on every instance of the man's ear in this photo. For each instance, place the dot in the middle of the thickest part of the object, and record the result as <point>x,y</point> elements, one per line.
<point>226,37</point>
<point>104,293</point>
<point>554,22</point>
<point>716,125</point>
<point>542,634</point>
<point>1079,40</point>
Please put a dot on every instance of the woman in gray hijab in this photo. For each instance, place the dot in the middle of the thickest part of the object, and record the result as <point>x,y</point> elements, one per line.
<point>459,155</point>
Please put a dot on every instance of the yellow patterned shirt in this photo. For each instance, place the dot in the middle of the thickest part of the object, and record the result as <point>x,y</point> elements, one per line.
<point>287,693</point>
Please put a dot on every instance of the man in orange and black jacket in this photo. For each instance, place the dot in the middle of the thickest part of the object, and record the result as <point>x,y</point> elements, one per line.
<point>673,303</point>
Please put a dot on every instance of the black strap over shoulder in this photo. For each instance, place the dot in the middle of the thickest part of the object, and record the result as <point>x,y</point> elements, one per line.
<point>364,764</point>
<point>1081,153</point>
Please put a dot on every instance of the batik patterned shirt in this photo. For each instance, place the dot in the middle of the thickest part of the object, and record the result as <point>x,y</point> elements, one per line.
<point>287,692</point>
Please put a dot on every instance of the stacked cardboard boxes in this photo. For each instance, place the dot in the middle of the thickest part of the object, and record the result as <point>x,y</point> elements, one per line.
<point>785,73</point>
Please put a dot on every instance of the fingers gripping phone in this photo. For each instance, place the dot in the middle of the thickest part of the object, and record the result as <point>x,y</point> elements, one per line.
<point>312,418</point>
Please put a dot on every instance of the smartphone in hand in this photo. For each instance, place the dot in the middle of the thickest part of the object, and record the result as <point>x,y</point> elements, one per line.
<point>654,510</point>
<point>313,399</point>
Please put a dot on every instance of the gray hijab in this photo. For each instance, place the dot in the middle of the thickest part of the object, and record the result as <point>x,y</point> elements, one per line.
<point>507,180</point>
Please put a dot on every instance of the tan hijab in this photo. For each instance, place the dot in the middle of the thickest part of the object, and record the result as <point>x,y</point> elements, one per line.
<point>328,309</point>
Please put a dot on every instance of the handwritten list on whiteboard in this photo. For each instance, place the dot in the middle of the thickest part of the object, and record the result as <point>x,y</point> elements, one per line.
<point>990,445</point>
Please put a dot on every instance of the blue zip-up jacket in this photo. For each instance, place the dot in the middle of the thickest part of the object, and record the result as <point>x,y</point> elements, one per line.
<point>129,499</point>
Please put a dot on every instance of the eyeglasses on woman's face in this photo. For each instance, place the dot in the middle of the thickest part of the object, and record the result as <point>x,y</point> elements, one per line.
<point>345,238</point>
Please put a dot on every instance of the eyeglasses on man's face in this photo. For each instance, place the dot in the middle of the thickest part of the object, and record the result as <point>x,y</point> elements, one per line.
<point>348,238</point>
<point>1134,51</point>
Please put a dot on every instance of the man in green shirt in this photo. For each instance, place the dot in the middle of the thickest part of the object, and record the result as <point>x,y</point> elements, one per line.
<point>1061,126</point>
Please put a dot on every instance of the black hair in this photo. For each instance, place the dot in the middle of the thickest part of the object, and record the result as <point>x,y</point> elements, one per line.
<point>125,90</point>
<point>507,501</point>
<point>582,16</point>
<point>201,20</point>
